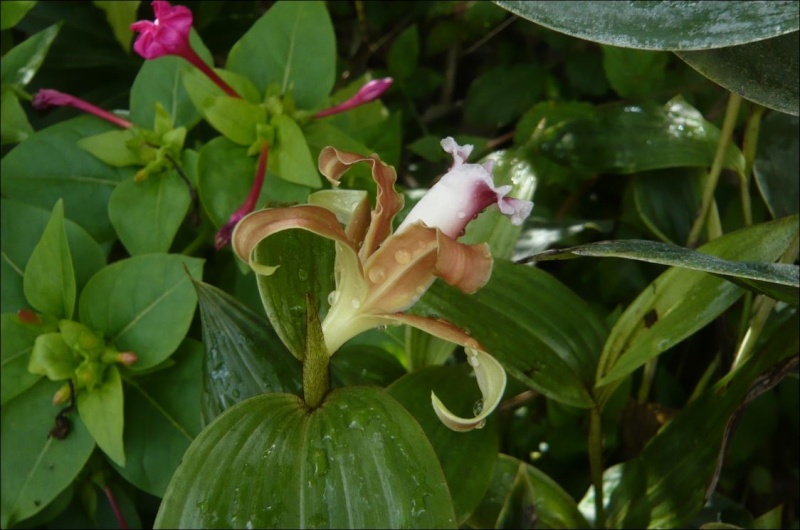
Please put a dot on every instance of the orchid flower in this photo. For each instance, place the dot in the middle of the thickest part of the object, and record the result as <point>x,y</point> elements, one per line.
<point>46,98</point>
<point>169,35</point>
<point>380,274</point>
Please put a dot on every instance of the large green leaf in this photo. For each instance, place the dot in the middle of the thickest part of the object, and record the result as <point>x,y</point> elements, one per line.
<point>12,12</point>
<point>162,417</point>
<point>290,158</point>
<point>633,138</point>
<point>765,72</point>
<point>519,493</point>
<point>143,304</point>
<point>17,340</point>
<point>101,409</point>
<point>778,280</point>
<point>358,461</point>
<point>36,468</point>
<point>776,163</point>
<point>22,227</point>
<point>148,214</point>
<point>653,25</point>
<point>292,45</point>
<point>14,124</point>
<point>120,16</point>
<point>467,458</point>
<point>21,63</point>
<point>495,98</point>
<point>63,170</point>
<point>543,334</point>
<point>680,302</point>
<point>243,356</point>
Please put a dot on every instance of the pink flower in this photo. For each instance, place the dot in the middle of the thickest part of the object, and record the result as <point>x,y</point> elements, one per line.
<point>223,236</point>
<point>369,92</point>
<point>461,194</point>
<point>47,98</point>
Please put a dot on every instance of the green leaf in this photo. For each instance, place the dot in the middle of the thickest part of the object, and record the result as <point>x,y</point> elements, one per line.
<point>305,265</point>
<point>681,25</point>
<point>243,356</point>
<point>120,16</point>
<point>162,417</point>
<point>764,72</point>
<point>49,280</point>
<point>290,158</point>
<point>292,45</point>
<point>16,344</point>
<point>21,63</point>
<point>148,214</point>
<point>467,458</point>
<point>36,468</point>
<point>14,124</point>
<point>778,280</point>
<point>519,489</point>
<point>159,81</point>
<point>680,302</point>
<point>403,56</point>
<point>64,171</point>
<point>363,364</point>
<point>667,201</point>
<point>360,460</point>
<point>502,94</point>
<point>102,411</point>
<point>553,113</point>
<point>542,333</point>
<point>426,350</point>
<point>634,73</point>
<point>775,166</point>
<point>22,227</point>
<point>143,304</point>
<point>53,358</point>
<point>111,148</point>
<point>666,484</point>
<point>629,139</point>
<point>13,11</point>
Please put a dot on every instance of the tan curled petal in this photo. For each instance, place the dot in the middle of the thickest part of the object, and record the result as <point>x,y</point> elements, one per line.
<point>334,163</point>
<point>489,372</point>
<point>351,208</point>
<point>467,267</point>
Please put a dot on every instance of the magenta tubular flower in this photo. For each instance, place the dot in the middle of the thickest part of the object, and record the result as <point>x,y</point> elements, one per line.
<point>223,236</point>
<point>47,98</point>
<point>369,92</point>
<point>169,35</point>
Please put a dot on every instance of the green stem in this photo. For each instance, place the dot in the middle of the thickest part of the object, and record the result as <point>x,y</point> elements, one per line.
<point>731,113</point>
<point>316,379</point>
<point>647,379</point>
<point>596,465</point>
<point>749,148</point>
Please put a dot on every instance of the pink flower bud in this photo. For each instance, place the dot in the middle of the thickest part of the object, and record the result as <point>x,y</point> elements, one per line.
<point>168,35</point>
<point>46,98</point>
<point>369,92</point>
<point>62,395</point>
<point>127,358</point>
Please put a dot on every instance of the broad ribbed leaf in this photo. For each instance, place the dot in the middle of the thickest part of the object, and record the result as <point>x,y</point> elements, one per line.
<point>776,163</point>
<point>765,72</point>
<point>243,356</point>
<point>681,25</point>
<point>358,461</point>
<point>467,458</point>
<point>680,302</point>
<point>633,138</point>
<point>543,334</point>
<point>778,280</point>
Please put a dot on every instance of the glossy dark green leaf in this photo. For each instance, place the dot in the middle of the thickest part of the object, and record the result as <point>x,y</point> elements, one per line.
<point>778,280</point>
<point>13,12</point>
<point>538,234</point>
<point>148,214</point>
<point>681,25</point>
<point>120,16</point>
<point>49,280</point>
<point>143,304</point>
<point>162,417</point>
<point>467,458</point>
<point>542,333</point>
<point>633,138</point>
<point>21,63</point>
<point>680,302</point>
<point>765,72</point>
<point>64,171</point>
<point>14,124</point>
<point>22,227</point>
<point>292,45</point>
<point>667,201</point>
<point>17,342</point>
<point>776,163</point>
<point>363,364</point>
<point>634,73</point>
<point>305,265</point>
<point>358,461</point>
<point>36,468</point>
<point>243,356</point>
<point>521,495</point>
<point>666,484</point>
<point>426,350</point>
<point>403,56</point>
<point>553,113</point>
<point>102,411</point>
<point>496,98</point>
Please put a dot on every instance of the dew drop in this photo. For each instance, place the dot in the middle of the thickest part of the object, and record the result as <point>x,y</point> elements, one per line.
<point>333,297</point>
<point>377,274</point>
<point>462,215</point>
<point>481,425</point>
<point>302,274</point>
<point>402,256</point>
<point>355,303</point>
<point>236,393</point>
<point>473,361</point>
<point>477,408</point>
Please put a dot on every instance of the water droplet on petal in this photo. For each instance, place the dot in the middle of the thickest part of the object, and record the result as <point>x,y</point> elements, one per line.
<point>377,274</point>
<point>333,297</point>
<point>477,408</point>
<point>481,425</point>
<point>462,215</point>
<point>474,362</point>
<point>402,256</point>
<point>355,303</point>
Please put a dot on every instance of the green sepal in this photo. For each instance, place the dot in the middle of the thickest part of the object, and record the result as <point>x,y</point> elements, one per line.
<point>52,357</point>
<point>82,340</point>
<point>112,147</point>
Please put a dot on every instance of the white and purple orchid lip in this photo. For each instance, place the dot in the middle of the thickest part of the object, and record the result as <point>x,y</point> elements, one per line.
<point>462,193</point>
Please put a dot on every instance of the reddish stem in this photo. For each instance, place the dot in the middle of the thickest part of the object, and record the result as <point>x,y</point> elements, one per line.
<point>117,512</point>
<point>223,236</point>
<point>191,56</point>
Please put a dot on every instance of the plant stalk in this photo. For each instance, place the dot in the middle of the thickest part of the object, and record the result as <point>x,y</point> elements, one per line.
<point>596,465</point>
